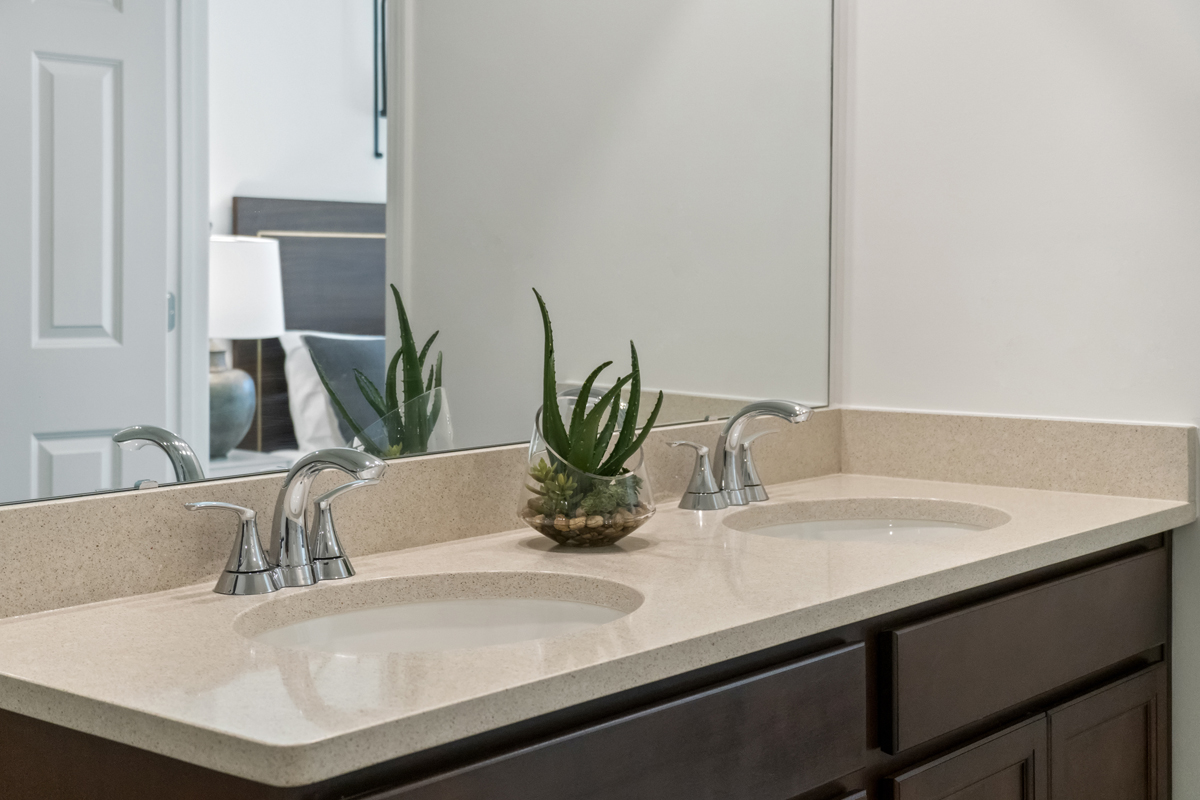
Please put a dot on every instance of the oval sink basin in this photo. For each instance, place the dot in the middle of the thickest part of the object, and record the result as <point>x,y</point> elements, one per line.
<point>897,520</point>
<point>426,613</point>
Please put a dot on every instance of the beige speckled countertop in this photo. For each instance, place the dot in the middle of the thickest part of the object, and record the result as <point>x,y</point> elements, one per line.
<point>169,672</point>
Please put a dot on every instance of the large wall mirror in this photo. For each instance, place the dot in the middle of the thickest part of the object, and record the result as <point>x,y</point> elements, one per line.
<point>203,206</point>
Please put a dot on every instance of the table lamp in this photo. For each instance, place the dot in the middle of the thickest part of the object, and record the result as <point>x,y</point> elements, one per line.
<point>245,301</point>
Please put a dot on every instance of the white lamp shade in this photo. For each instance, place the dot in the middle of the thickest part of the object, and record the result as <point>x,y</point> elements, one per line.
<point>245,288</point>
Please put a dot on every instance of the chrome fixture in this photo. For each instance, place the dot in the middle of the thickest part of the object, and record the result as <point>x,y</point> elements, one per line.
<point>703,493</point>
<point>751,483</point>
<point>289,538</point>
<point>329,562</point>
<point>731,456</point>
<point>247,571</point>
<point>183,458</point>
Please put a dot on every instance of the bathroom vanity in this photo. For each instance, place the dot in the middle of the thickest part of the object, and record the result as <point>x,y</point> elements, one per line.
<point>1024,656</point>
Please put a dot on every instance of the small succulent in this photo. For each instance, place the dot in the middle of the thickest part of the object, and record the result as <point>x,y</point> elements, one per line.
<point>606,498</point>
<point>585,445</point>
<point>407,428</point>
<point>559,493</point>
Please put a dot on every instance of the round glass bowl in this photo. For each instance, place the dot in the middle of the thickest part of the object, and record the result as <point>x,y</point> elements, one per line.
<point>579,509</point>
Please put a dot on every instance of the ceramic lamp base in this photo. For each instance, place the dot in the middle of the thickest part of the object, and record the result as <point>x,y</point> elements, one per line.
<point>230,405</point>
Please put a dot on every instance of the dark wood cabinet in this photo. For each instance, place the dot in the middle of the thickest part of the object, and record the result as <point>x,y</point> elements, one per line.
<point>1111,744</point>
<point>1009,765</point>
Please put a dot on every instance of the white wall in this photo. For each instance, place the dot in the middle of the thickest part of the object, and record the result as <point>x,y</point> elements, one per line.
<point>1022,228</point>
<point>657,168</point>
<point>290,103</point>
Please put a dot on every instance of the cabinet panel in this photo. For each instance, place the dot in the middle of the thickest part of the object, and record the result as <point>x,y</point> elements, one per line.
<point>957,668</point>
<point>769,736</point>
<point>1112,744</point>
<point>1009,765</point>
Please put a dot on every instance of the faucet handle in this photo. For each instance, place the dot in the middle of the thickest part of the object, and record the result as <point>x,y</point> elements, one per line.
<point>247,571</point>
<point>751,483</point>
<point>329,561</point>
<point>702,494</point>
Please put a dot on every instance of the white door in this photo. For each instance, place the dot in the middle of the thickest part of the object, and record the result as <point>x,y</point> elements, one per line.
<point>88,109</point>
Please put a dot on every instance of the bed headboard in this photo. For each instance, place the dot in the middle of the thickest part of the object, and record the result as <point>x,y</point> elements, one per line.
<point>334,279</point>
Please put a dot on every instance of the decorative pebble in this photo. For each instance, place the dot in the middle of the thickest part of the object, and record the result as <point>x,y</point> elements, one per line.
<point>595,521</point>
<point>561,523</point>
<point>577,523</point>
<point>538,521</point>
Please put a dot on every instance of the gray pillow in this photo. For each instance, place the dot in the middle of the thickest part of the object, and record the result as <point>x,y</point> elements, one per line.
<point>338,358</point>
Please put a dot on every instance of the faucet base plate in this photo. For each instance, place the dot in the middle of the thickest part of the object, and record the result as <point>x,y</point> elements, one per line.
<point>755,493</point>
<point>298,576</point>
<point>239,583</point>
<point>332,569</point>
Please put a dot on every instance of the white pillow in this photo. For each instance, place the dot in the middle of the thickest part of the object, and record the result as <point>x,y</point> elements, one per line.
<point>313,417</point>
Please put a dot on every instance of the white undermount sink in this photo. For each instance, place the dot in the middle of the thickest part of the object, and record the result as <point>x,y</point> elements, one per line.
<point>426,613</point>
<point>870,519</point>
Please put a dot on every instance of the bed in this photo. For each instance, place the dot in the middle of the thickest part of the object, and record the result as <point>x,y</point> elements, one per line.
<point>334,281</point>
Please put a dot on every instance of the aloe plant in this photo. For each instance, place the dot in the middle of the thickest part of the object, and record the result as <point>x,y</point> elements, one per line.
<point>406,428</point>
<point>587,443</point>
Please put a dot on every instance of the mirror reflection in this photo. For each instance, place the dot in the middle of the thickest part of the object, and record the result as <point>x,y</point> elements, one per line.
<point>325,227</point>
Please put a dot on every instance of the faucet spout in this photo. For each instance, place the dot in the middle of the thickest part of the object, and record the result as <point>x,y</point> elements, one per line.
<point>726,470</point>
<point>289,539</point>
<point>183,458</point>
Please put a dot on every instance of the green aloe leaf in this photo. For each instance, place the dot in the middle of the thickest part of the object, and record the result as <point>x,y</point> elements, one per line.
<point>389,386</point>
<point>410,361</point>
<point>410,369</point>
<point>370,393</point>
<point>425,349</point>
<point>552,423</point>
<point>581,400</point>
<point>584,445</point>
<point>394,422</point>
<point>369,444</point>
<point>629,428</point>
<point>618,459</point>
<point>605,437</point>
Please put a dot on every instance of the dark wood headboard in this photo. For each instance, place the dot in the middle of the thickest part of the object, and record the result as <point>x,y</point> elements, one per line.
<point>334,279</point>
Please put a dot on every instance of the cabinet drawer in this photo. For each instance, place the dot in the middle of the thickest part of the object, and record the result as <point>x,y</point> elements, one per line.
<point>957,668</point>
<point>767,736</point>
<point>1009,765</point>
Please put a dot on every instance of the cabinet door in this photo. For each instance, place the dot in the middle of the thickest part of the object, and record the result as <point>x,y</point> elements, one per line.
<point>1112,744</point>
<point>1009,765</point>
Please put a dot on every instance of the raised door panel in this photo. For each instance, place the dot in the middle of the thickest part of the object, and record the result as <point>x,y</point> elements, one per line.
<point>1112,744</point>
<point>1009,765</point>
<point>769,736</point>
<point>957,668</point>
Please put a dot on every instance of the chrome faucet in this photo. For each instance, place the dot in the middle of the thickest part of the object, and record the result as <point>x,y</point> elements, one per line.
<point>734,468</point>
<point>183,458</point>
<point>289,536</point>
